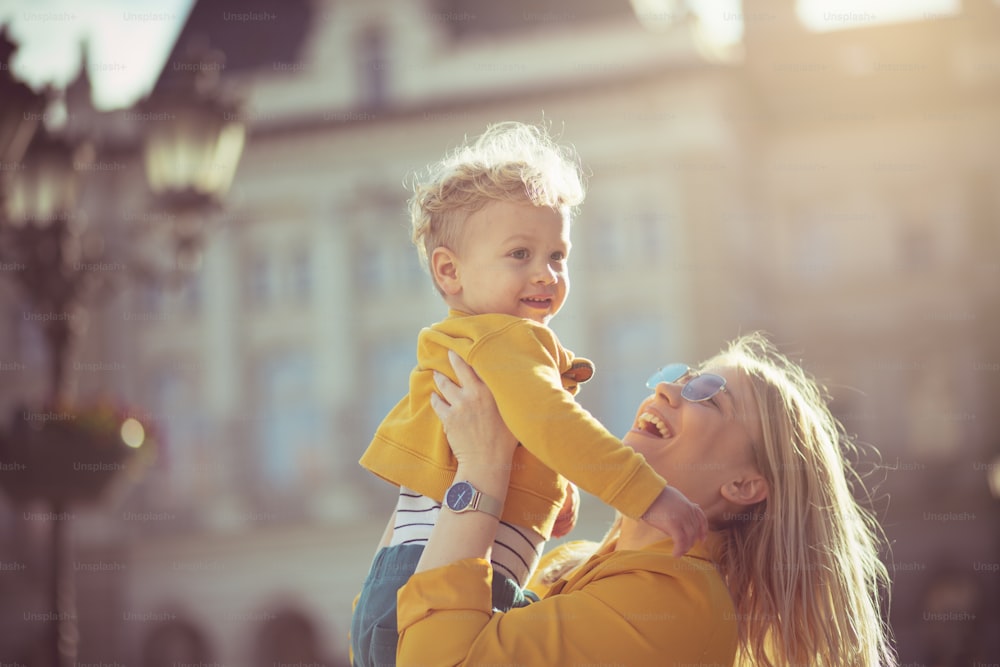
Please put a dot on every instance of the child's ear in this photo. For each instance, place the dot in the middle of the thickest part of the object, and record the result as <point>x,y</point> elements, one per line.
<point>444,269</point>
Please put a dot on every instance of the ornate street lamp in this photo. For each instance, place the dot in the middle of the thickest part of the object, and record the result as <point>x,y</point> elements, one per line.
<point>40,233</point>
<point>55,454</point>
<point>20,110</point>
<point>192,150</point>
<point>66,455</point>
<point>44,188</point>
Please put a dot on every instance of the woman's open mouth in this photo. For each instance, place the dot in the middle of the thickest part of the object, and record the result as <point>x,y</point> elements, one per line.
<point>653,425</point>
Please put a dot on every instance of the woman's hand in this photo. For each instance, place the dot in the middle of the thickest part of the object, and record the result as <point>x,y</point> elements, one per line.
<point>483,446</point>
<point>475,430</point>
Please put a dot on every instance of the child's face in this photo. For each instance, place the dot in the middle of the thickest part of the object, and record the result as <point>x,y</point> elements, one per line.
<point>512,260</point>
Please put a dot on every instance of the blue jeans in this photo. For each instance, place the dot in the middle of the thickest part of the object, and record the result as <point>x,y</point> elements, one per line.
<point>374,633</point>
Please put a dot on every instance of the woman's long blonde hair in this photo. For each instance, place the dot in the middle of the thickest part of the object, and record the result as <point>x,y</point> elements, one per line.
<point>803,565</point>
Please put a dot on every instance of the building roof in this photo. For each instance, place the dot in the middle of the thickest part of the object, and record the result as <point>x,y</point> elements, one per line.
<point>252,34</point>
<point>485,17</point>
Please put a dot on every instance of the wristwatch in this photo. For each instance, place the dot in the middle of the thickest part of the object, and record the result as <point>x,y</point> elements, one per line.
<point>463,497</point>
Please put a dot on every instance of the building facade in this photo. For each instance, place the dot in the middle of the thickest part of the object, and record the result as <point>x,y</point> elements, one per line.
<point>838,190</point>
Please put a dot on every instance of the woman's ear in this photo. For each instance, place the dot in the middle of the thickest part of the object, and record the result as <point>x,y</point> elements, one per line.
<point>747,490</point>
<point>444,270</point>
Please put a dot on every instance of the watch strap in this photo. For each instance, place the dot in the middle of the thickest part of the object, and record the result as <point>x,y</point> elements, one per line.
<point>488,504</point>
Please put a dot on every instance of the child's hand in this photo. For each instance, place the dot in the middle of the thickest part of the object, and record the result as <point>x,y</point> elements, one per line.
<point>679,518</point>
<point>569,512</point>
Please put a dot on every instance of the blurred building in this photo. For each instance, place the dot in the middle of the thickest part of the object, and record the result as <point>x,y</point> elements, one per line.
<point>838,189</point>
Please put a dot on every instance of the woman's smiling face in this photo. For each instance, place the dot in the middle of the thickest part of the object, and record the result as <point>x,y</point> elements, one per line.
<point>699,447</point>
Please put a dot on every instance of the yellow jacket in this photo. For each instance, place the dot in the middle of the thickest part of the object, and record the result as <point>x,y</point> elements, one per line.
<point>627,608</point>
<point>533,379</point>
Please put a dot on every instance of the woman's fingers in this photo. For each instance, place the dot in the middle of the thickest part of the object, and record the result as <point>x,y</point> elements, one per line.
<point>440,406</point>
<point>463,371</point>
<point>468,389</point>
<point>452,391</point>
<point>469,415</point>
<point>447,389</point>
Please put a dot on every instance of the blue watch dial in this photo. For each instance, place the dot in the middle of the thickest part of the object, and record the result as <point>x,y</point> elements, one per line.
<point>459,496</point>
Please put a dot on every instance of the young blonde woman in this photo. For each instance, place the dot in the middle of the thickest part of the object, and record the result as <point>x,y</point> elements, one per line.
<point>789,575</point>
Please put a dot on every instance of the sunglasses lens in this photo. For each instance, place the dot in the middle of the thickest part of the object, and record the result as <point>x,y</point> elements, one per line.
<point>669,373</point>
<point>703,387</point>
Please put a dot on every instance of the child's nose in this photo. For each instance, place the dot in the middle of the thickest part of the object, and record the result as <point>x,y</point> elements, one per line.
<point>546,274</point>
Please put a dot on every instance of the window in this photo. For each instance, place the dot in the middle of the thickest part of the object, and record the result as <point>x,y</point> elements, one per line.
<point>389,366</point>
<point>260,285</point>
<point>281,276</point>
<point>824,16</point>
<point>183,456</point>
<point>627,235</point>
<point>652,229</point>
<point>292,440</point>
<point>410,270</point>
<point>385,268</point>
<point>611,236</point>
<point>374,268</point>
<point>373,67</point>
<point>191,294</point>
<point>300,275</point>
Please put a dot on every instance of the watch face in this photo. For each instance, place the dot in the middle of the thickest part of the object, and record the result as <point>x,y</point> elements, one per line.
<point>459,496</point>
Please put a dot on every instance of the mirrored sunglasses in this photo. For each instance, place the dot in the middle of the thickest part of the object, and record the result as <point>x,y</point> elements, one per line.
<point>699,387</point>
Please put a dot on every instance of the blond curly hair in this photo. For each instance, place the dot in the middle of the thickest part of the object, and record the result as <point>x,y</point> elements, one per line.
<point>510,161</point>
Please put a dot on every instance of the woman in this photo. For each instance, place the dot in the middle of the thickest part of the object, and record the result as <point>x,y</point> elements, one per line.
<point>789,574</point>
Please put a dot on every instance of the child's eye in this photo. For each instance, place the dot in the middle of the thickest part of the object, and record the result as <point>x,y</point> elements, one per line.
<point>558,256</point>
<point>520,253</point>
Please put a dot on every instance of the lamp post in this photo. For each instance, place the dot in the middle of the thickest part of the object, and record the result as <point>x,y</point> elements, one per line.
<point>39,231</point>
<point>191,154</point>
<point>20,111</point>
